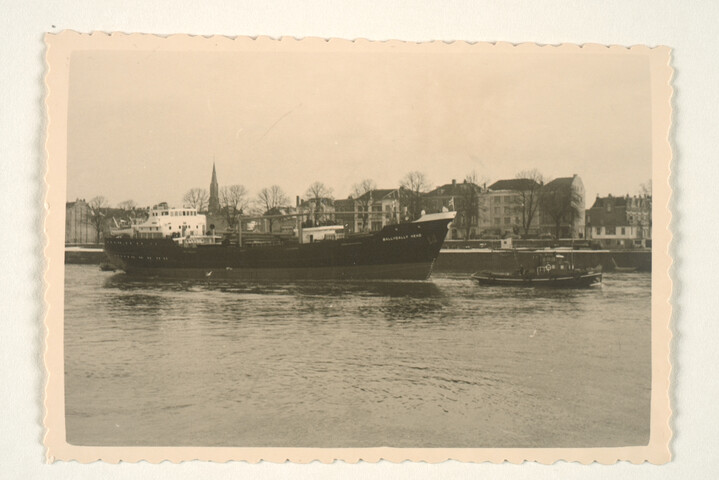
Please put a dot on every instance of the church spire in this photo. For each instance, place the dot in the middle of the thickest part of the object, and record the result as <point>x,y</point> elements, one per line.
<point>214,204</point>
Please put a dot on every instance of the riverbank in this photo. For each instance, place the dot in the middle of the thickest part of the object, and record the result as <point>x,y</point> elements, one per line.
<point>473,260</point>
<point>84,255</point>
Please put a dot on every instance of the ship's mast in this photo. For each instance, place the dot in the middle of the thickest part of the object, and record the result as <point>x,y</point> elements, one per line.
<point>239,231</point>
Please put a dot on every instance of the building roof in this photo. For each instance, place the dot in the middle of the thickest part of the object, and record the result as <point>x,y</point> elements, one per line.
<point>345,202</point>
<point>602,202</point>
<point>612,211</point>
<point>517,184</point>
<point>311,201</point>
<point>560,182</point>
<point>453,189</point>
<point>377,194</point>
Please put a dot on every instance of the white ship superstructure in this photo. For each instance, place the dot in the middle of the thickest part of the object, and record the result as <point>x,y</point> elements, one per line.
<point>171,222</point>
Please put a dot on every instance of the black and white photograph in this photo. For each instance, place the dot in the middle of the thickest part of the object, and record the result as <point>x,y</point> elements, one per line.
<point>308,244</point>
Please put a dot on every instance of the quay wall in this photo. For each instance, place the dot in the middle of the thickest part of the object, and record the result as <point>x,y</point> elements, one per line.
<point>87,256</point>
<point>475,260</point>
<point>465,260</point>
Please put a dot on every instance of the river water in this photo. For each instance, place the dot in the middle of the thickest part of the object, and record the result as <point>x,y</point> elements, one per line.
<point>444,363</point>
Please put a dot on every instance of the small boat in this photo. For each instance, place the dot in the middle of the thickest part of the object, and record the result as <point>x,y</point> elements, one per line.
<point>550,271</point>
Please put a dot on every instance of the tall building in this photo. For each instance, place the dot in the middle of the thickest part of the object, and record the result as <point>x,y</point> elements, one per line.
<point>508,204</point>
<point>214,203</point>
<point>522,206</point>
<point>78,225</point>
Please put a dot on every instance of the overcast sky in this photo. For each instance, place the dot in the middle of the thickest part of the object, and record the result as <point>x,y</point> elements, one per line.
<point>147,125</point>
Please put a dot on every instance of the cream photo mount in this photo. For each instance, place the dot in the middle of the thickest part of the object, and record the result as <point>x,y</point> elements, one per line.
<point>60,49</point>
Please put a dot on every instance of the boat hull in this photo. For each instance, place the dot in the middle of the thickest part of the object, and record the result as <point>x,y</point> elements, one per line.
<point>559,281</point>
<point>404,251</point>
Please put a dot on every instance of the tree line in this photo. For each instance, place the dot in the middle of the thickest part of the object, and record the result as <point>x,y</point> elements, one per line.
<point>533,192</point>
<point>235,200</point>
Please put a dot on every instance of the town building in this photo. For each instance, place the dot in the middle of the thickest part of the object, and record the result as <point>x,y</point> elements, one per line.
<point>78,223</point>
<point>216,215</point>
<point>318,211</point>
<point>562,208</point>
<point>464,198</point>
<point>620,222</point>
<point>376,209</point>
<point>85,225</point>
<point>501,207</point>
<point>277,224</point>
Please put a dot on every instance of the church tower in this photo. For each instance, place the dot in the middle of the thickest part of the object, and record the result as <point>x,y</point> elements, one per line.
<point>214,205</point>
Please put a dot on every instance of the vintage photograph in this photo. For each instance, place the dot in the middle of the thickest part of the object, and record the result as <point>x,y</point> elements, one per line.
<point>310,244</point>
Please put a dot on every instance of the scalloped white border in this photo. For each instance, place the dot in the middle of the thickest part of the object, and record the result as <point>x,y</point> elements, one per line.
<point>59,48</point>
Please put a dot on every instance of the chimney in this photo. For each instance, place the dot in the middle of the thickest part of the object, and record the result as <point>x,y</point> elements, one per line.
<point>297,201</point>
<point>454,181</point>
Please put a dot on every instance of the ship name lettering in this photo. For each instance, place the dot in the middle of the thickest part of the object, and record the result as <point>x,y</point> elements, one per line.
<point>401,237</point>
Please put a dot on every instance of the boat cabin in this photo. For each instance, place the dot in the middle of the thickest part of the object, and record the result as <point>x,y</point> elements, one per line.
<point>548,262</point>
<point>328,232</point>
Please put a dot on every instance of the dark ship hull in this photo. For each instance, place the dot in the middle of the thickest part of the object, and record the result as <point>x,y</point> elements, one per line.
<point>404,251</point>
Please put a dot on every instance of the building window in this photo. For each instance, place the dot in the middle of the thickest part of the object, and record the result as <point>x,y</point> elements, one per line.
<point>611,230</point>
<point>623,231</point>
<point>599,230</point>
<point>507,220</point>
<point>497,221</point>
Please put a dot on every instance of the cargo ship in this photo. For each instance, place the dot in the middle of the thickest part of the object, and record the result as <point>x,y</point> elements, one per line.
<point>175,242</point>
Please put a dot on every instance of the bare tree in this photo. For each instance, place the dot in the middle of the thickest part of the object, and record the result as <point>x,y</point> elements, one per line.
<point>233,201</point>
<point>360,189</point>
<point>270,199</point>
<point>317,194</point>
<point>96,215</point>
<point>127,205</point>
<point>467,204</point>
<point>529,189</point>
<point>196,198</point>
<point>131,212</point>
<point>414,184</point>
<point>646,188</point>
<point>562,203</point>
<point>477,179</point>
